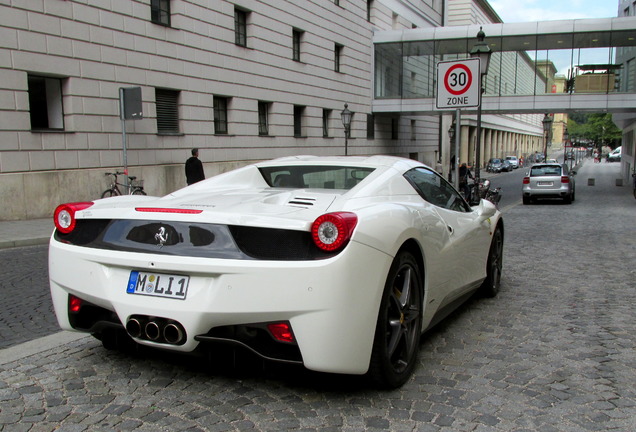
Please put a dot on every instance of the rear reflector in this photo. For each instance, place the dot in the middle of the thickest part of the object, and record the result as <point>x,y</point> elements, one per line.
<point>167,210</point>
<point>281,332</point>
<point>74,304</point>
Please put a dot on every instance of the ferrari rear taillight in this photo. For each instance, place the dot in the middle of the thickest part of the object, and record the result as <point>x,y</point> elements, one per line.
<point>64,216</point>
<point>526,180</point>
<point>565,179</point>
<point>332,231</point>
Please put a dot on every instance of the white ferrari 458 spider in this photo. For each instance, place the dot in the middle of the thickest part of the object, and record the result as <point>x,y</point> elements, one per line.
<point>335,263</point>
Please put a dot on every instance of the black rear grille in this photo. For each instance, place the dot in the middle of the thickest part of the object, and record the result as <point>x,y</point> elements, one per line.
<point>277,244</point>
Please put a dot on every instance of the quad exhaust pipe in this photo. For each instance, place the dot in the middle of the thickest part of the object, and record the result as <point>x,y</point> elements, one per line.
<point>155,329</point>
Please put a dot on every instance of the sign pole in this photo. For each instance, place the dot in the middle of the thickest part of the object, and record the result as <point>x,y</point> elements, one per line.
<point>458,128</point>
<point>123,135</point>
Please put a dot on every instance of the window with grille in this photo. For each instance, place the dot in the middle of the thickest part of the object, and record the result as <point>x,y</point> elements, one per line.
<point>298,120</point>
<point>45,103</point>
<point>160,12</point>
<point>240,27</point>
<point>263,118</point>
<point>167,104</point>
<point>296,39</point>
<point>337,57</point>
<point>220,115</point>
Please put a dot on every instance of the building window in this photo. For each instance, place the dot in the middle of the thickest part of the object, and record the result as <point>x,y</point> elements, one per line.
<point>370,126</point>
<point>160,12</point>
<point>220,115</point>
<point>336,2</point>
<point>337,57</point>
<point>167,105</point>
<point>369,7</point>
<point>326,115</point>
<point>45,102</point>
<point>395,127</point>
<point>413,132</point>
<point>263,118</point>
<point>296,39</point>
<point>240,27</point>
<point>298,120</point>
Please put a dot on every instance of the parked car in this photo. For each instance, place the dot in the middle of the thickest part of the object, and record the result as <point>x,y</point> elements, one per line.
<point>615,155</point>
<point>494,165</point>
<point>549,180</point>
<point>513,161</point>
<point>506,166</point>
<point>334,263</point>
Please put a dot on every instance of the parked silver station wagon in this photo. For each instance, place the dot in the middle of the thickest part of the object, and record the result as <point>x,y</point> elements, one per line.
<point>548,180</point>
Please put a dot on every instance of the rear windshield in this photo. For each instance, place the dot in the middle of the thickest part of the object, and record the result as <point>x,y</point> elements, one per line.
<point>545,170</point>
<point>314,177</point>
<point>495,161</point>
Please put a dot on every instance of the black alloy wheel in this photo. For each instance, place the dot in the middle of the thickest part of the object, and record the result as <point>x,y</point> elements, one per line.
<point>492,283</point>
<point>399,325</point>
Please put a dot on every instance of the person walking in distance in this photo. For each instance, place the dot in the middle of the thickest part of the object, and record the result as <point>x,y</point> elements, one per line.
<point>194,168</point>
<point>464,173</point>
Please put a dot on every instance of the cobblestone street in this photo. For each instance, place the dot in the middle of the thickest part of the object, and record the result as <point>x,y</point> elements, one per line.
<point>555,351</point>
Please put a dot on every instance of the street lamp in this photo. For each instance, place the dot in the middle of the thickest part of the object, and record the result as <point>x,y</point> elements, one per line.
<point>547,128</point>
<point>346,115</point>
<point>482,51</point>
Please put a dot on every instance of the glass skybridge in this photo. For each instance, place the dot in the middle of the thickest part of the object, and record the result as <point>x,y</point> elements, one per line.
<point>536,67</point>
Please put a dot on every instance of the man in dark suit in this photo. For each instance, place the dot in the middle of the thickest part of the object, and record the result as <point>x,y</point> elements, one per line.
<point>194,168</point>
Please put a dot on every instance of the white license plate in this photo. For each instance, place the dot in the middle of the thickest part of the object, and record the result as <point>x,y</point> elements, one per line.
<point>158,285</point>
<point>544,183</point>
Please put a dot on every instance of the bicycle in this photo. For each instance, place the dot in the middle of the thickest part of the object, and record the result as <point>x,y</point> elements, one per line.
<point>134,187</point>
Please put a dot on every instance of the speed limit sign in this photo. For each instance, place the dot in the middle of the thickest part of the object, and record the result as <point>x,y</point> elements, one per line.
<point>458,83</point>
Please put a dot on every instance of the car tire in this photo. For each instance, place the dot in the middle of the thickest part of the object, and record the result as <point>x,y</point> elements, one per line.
<point>492,283</point>
<point>526,200</point>
<point>399,324</point>
<point>567,199</point>
<point>573,195</point>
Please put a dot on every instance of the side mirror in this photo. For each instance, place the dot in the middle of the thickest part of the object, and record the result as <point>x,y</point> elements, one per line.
<point>486,209</point>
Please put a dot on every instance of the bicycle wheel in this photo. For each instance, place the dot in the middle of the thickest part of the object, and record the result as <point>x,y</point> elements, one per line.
<point>138,192</point>
<point>109,193</point>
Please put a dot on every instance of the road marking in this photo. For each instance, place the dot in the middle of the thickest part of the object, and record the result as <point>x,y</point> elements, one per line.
<point>510,206</point>
<point>37,346</point>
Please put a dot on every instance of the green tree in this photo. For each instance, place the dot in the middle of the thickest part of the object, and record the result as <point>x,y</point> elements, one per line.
<point>598,128</point>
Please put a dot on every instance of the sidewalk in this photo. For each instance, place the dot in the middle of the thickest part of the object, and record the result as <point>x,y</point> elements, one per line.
<point>25,233</point>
